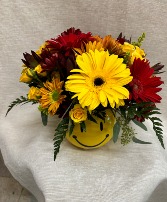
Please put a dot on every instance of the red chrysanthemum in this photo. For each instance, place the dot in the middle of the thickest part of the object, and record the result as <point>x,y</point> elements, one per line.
<point>144,86</point>
<point>72,38</point>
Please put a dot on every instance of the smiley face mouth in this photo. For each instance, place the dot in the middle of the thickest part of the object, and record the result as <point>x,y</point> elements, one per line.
<point>75,137</point>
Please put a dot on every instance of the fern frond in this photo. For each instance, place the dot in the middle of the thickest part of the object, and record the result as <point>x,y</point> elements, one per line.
<point>158,130</point>
<point>59,135</point>
<point>22,100</point>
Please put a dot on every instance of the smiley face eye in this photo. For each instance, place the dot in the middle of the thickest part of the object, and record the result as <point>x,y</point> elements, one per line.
<point>101,126</point>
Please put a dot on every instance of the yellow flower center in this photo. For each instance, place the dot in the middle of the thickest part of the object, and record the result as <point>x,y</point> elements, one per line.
<point>98,81</point>
<point>55,95</point>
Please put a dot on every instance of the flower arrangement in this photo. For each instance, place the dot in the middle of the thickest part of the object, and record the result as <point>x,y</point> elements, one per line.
<point>78,76</point>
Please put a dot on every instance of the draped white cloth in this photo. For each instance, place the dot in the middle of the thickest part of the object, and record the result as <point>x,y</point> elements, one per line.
<point>112,173</point>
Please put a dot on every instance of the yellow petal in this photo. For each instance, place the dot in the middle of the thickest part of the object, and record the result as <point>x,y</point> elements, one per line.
<point>76,76</point>
<point>95,103</point>
<point>102,96</point>
<point>77,70</point>
<point>109,62</point>
<point>99,59</point>
<point>84,63</point>
<point>124,81</point>
<point>111,100</point>
<point>105,103</point>
<point>121,90</point>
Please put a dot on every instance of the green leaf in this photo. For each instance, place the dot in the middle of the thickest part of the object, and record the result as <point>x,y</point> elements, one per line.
<point>131,113</point>
<point>90,118</point>
<point>83,126</point>
<point>123,112</point>
<point>100,116</point>
<point>136,140</point>
<point>44,118</point>
<point>154,112</point>
<point>116,131</point>
<point>126,58</point>
<point>70,127</point>
<point>59,135</point>
<point>158,128</point>
<point>140,124</point>
<point>156,119</point>
<point>103,113</point>
<point>158,124</point>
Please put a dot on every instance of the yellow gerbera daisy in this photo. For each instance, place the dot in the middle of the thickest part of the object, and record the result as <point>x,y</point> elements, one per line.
<point>51,96</point>
<point>100,79</point>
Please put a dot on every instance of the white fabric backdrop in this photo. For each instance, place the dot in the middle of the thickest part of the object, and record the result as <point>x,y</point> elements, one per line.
<point>112,173</point>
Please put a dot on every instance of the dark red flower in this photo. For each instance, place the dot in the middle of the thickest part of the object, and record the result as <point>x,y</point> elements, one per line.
<point>121,39</point>
<point>144,86</point>
<point>50,63</point>
<point>72,38</point>
<point>31,60</point>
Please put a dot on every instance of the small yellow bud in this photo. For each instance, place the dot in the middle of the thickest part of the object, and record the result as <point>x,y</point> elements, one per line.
<point>34,93</point>
<point>38,69</point>
<point>26,75</point>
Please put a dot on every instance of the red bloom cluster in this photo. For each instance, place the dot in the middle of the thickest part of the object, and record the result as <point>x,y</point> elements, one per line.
<point>72,38</point>
<point>62,48</point>
<point>58,53</point>
<point>144,86</point>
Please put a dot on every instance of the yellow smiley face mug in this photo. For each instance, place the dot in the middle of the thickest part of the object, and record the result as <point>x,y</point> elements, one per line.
<point>96,135</point>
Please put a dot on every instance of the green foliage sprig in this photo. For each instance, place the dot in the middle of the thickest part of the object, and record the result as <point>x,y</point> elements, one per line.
<point>144,110</point>
<point>127,131</point>
<point>91,118</point>
<point>70,126</point>
<point>60,132</point>
<point>157,128</point>
<point>101,114</point>
<point>140,40</point>
<point>22,100</point>
<point>83,126</point>
<point>59,135</point>
<point>126,58</point>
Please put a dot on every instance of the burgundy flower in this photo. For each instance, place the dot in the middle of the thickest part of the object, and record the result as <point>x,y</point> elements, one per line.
<point>121,39</point>
<point>72,38</point>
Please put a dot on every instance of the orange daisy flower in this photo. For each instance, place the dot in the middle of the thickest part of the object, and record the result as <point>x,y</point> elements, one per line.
<point>51,96</point>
